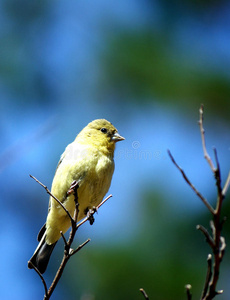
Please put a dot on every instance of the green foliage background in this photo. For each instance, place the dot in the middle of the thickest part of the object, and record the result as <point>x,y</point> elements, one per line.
<point>77,60</point>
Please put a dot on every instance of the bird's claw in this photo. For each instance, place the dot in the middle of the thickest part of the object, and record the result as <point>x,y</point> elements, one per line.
<point>90,214</point>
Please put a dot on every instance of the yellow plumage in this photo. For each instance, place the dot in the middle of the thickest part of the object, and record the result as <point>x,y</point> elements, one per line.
<point>88,160</point>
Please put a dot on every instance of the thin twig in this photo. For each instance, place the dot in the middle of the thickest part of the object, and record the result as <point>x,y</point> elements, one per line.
<point>42,278</point>
<point>188,291</point>
<point>217,172</point>
<point>80,247</point>
<point>210,208</point>
<point>144,293</point>
<point>213,227</point>
<point>222,247</point>
<point>65,241</point>
<point>226,185</point>
<point>208,276</point>
<point>217,169</point>
<point>58,275</point>
<point>58,201</point>
<point>206,156</point>
<point>66,257</point>
<point>68,251</point>
<point>218,184</point>
<point>219,245</point>
<point>216,241</point>
<point>209,239</point>
<point>87,218</point>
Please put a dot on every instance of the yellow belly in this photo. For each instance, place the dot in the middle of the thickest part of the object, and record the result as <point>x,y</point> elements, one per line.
<point>95,179</point>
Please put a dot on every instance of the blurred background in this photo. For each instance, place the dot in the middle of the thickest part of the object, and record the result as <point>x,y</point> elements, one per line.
<point>146,66</point>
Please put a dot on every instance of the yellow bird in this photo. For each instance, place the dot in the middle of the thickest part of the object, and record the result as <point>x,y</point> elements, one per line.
<point>89,161</point>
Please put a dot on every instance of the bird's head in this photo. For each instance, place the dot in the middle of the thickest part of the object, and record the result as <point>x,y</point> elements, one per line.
<point>100,133</point>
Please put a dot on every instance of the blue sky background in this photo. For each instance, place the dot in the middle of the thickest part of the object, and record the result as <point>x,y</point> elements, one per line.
<point>51,77</point>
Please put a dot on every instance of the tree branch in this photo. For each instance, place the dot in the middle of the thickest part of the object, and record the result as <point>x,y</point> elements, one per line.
<point>93,211</point>
<point>55,198</point>
<point>210,208</point>
<point>202,131</point>
<point>68,252</point>
<point>208,276</point>
<point>188,291</point>
<point>80,247</point>
<point>216,241</point>
<point>42,278</point>
<point>144,293</point>
<point>207,235</point>
<point>227,183</point>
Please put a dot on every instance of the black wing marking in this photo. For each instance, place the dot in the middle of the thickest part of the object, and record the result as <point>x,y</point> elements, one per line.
<point>41,232</point>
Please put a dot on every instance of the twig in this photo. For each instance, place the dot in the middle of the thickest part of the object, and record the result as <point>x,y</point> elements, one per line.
<point>216,241</point>
<point>222,247</point>
<point>218,247</point>
<point>208,276</point>
<point>209,239</point>
<point>144,293</point>
<point>227,183</point>
<point>200,122</point>
<point>68,251</point>
<point>66,257</point>
<point>79,247</point>
<point>210,208</point>
<point>42,278</point>
<point>64,239</point>
<point>87,218</point>
<point>218,184</point>
<point>188,291</point>
<point>55,198</point>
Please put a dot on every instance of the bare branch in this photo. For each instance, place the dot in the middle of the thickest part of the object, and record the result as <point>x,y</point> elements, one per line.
<point>212,226</point>
<point>55,198</point>
<point>144,293</point>
<point>68,253</point>
<point>65,241</point>
<point>58,274</point>
<point>218,184</point>
<point>80,247</point>
<point>227,183</point>
<point>208,276</point>
<point>216,241</point>
<point>222,247</point>
<point>210,208</point>
<point>42,279</point>
<point>207,235</point>
<point>206,156</point>
<point>188,291</point>
<point>217,169</point>
<point>87,218</point>
<point>68,250</point>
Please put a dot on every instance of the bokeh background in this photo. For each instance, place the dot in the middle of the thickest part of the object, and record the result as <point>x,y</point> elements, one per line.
<point>146,66</point>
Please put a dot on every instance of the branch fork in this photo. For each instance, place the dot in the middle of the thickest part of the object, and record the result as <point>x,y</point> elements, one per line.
<point>215,240</point>
<point>68,251</point>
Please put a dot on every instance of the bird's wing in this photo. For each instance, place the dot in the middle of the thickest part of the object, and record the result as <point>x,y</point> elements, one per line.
<point>60,161</point>
<point>41,232</point>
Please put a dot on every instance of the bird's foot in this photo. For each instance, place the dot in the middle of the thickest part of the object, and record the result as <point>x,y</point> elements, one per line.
<point>90,214</point>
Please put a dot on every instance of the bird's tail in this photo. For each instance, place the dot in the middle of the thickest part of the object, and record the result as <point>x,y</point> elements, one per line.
<point>41,256</point>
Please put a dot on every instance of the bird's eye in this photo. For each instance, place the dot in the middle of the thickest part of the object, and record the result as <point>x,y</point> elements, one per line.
<point>104,130</point>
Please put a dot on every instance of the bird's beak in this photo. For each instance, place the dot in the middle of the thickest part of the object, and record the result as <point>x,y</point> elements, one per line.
<point>117,137</point>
